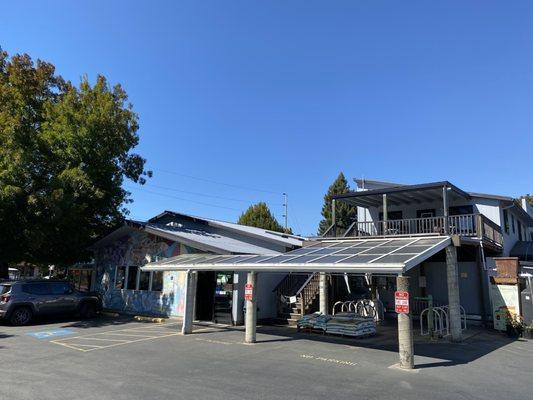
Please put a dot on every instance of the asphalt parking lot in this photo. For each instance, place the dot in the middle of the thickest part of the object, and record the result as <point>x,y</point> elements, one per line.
<point>121,359</point>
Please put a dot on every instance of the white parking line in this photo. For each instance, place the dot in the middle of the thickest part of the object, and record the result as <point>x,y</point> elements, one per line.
<point>116,337</point>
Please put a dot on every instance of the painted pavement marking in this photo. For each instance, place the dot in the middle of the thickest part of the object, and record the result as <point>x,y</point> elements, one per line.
<point>51,333</point>
<point>329,360</point>
<point>214,341</point>
<point>139,334</point>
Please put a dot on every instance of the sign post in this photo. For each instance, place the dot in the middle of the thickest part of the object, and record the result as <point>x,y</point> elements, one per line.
<point>405,326</point>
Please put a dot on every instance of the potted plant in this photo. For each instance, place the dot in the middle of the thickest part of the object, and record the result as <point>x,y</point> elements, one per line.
<point>515,325</point>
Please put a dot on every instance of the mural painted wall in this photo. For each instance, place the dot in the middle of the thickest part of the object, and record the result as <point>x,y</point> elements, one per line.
<point>136,249</point>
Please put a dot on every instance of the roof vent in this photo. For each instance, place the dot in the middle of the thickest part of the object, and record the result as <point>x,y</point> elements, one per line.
<point>175,224</point>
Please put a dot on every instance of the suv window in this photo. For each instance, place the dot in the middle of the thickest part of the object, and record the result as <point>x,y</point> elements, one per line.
<point>61,288</point>
<point>4,289</point>
<point>36,288</point>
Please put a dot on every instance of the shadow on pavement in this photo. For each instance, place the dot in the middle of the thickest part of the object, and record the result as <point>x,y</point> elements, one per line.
<point>478,342</point>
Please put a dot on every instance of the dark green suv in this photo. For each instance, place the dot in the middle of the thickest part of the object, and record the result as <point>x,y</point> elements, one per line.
<point>20,301</point>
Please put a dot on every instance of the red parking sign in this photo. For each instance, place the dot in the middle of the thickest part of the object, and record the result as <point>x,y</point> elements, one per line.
<point>401,302</point>
<point>248,291</point>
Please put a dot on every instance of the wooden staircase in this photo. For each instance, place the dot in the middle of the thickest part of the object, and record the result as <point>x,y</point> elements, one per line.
<point>296,295</point>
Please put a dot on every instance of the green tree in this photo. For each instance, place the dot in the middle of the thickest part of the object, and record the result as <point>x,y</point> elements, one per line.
<point>345,214</point>
<point>64,154</point>
<point>260,216</point>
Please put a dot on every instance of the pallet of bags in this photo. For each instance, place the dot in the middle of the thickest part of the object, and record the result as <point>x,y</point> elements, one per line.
<point>351,325</point>
<point>313,321</point>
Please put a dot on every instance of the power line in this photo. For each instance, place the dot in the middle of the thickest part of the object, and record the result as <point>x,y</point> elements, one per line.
<point>217,182</point>
<point>207,195</point>
<point>181,198</point>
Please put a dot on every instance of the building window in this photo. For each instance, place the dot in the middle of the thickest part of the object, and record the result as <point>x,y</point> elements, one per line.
<point>506,221</point>
<point>132,278</point>
<point>519,230</point>
<point>120,277</point>
<point>512,223</point>
<point>144,280</point>
<point>157,281</point>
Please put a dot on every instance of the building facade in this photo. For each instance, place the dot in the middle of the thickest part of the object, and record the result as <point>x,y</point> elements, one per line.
<point>125,288</point>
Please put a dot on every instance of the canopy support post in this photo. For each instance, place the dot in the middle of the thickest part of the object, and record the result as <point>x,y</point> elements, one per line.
<point>385,214</point>
<point>445,208</point>
<point>454,302</point>
<point>405,329</point>
<point>322,293</point>
<point>334,217</point>
<point>190,299</point>
<point>251,308</point>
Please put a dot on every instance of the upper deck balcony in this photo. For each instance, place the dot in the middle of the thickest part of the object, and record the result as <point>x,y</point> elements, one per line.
<point>379,221</point>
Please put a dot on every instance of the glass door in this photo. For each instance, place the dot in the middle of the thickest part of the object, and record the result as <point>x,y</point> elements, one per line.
<point>224,298</point>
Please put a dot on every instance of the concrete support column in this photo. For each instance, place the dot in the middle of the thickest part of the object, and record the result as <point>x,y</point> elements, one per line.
<point>323,292</point>
<point>405,330</point>
<point>452,273</point>
<point>190,299</point>
<point>250,320</point>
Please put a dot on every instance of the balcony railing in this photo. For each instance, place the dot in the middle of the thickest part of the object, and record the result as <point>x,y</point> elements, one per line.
<point>469,225</point>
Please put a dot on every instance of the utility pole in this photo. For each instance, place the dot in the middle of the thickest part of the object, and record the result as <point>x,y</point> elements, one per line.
<point>286,215</point>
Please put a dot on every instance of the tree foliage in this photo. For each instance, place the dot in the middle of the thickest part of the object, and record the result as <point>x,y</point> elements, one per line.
<point>64,153</point>
<point>260,216</point>
<point>345,214</point>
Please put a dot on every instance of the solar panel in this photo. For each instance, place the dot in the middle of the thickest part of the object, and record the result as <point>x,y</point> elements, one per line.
<point>395,258</point>
<point>343,254</point>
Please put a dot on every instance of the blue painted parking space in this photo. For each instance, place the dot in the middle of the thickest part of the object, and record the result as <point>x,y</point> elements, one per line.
<point>51,333</point>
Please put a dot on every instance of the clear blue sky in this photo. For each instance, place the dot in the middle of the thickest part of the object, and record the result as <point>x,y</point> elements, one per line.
<point>282,95</point>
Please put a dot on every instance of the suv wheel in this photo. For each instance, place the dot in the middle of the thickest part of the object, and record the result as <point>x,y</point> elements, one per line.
<point>88,310</point>
<point>21,316</point>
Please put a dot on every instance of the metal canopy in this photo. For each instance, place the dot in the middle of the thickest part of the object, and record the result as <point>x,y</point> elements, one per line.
<point>385,256</point>
<point>403,195</point>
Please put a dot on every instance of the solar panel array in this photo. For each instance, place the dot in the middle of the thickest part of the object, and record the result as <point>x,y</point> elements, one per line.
<point>339,252</point>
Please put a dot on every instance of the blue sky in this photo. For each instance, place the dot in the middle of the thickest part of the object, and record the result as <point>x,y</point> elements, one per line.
<point>281,96</point>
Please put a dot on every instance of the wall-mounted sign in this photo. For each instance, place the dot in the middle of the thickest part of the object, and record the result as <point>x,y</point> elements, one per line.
<point>248,291</point>
<point>401,302</point>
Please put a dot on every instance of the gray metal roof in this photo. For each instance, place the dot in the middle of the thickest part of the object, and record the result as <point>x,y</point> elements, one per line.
<point>206,238</point>
<point>388,256</point>
<point>403,194</point>
<point>264,234</point>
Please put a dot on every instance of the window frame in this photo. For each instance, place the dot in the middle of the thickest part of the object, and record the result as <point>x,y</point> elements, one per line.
<point>123,278</point>
<point>506,221</point>
<point>137,279</point>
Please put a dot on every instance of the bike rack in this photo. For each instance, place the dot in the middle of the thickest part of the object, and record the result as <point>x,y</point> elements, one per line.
<point>441,320</point>
<point>363,308</point>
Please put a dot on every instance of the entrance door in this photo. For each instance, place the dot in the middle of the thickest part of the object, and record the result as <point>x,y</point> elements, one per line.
<point>224,298</point>
<point>205,296</point>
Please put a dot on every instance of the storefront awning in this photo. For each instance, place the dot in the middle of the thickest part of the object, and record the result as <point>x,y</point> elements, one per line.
<point>385,256</point>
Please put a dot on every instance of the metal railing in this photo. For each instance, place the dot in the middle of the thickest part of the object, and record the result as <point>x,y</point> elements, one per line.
<point>469,225</point>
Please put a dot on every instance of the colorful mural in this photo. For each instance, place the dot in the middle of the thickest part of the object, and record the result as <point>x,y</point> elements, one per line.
<point>136,249</point>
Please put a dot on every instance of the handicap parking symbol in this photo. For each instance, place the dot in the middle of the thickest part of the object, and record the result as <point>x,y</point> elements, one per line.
<point>51,334</point>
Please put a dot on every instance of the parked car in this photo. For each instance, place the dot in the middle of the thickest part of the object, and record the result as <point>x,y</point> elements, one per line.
<point>20,301</point>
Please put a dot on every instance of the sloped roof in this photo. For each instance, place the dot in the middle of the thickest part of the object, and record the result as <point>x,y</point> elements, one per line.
<point>209,235</point>
<point>259,233</point>
<point>387,256</point>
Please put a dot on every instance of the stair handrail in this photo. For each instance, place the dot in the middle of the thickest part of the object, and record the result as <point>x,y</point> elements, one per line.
<point>311,276</point>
